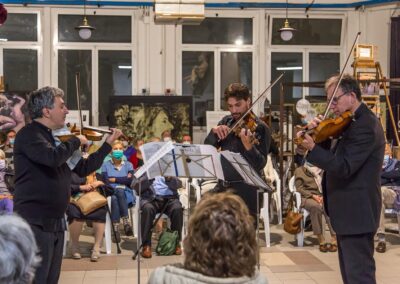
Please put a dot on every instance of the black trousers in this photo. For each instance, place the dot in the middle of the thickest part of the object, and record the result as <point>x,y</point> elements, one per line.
<point>173,210</point>
<point>50,246</point>
<point>356,258</point>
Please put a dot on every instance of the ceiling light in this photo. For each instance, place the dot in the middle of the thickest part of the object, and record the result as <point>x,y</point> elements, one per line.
<point>124,67</point>
<point>286,31</point>
<point>85,30</point>
<point>289,68</point>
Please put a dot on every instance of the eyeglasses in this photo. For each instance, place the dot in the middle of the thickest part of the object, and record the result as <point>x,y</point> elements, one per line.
<point>335,100</point>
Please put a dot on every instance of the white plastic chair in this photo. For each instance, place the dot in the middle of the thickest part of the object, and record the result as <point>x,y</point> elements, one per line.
<point>272,175</point>
<point>264,214</point>
<point>292,189</point>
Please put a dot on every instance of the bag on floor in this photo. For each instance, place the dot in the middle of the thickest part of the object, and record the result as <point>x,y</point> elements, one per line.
<point>167,242</point>
<point>293,219</point>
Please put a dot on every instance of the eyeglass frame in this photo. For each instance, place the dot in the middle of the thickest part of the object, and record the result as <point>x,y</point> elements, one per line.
<point>335,100</point>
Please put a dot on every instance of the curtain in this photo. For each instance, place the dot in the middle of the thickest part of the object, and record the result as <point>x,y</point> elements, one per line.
<point>394,73</point>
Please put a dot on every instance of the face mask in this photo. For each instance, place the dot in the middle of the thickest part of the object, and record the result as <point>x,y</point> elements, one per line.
<point>386,159</point>
<point>2,164</point>
<point>117,154</point>
<point>186,142</point>
<point>167,139</point>
<point>11,141</point>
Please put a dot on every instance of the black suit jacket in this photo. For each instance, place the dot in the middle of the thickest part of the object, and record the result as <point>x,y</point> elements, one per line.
<point>351,183</point>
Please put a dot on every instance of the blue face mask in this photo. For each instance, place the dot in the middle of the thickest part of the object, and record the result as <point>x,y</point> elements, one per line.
<point>117,154</point>
<point>386,160</point>
<point>11,140</point>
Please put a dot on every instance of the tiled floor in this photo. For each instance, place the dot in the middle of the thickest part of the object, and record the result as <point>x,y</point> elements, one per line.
<point>282,263</point>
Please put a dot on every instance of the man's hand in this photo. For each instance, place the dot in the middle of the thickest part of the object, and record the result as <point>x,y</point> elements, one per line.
<point>317,198</point>
<point>114,136</point>
<point>86,187</point>
<point>221,131</point>
<point>83,139</point>
<point>97,183</point>
<point>308,142</point>
<point>246,137</point>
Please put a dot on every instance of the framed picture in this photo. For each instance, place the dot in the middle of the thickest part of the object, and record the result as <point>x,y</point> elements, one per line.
<point>368,88</point>
<point>13,112</point>
<point>146,117</point>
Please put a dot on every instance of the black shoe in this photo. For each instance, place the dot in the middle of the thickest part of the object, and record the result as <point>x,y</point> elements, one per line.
<point>381,247</point>
<point>128,230</point>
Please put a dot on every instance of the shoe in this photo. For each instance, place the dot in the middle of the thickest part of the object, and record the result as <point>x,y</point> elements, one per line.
<point>146,252</point>
<point>95,256</point>
<point>128,230</point>
<point>323,247</point>
<point>75,253</point>
<point>332,247</point>
<point>381,247</point>
<point>117,237</point>
<point>178,250</point>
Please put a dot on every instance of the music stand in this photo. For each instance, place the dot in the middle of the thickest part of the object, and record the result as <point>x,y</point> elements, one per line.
<point>177,160</point>
<point>251,177</point>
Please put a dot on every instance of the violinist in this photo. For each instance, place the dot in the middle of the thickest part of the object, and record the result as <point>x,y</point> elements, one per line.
<point>252,142</point>
<point>43,177</point>
<point>351,181</point>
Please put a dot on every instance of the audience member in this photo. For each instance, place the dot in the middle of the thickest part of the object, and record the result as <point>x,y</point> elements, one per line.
<point>166,136</point>
<point>43,176</point>
<point>155,194</point>
<point>220,247</point>
<point>19,252</point>
<point>76,218</point>
<point>308,184</point>
<point>136,159</point>
<point>6,202</point>
<point>186,139</point>
<point>118,173</point>
<point>390,180</point>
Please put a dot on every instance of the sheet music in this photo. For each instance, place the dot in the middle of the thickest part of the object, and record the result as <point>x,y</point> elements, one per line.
<point>249,175</point>
<point>182,160</point>
<point>151,153</point>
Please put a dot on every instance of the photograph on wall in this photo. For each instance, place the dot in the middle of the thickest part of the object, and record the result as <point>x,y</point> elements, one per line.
<point>13,113</point>
<point>145,117</point>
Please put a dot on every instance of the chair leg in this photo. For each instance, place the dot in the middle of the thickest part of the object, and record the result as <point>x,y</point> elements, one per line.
<point>107,231</point>
<point>265,215</point>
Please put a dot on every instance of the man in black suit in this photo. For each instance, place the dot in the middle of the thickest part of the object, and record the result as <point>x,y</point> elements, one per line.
<point>351,183</point>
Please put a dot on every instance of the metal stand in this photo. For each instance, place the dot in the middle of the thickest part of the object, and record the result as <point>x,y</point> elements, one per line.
<point>258,226</point>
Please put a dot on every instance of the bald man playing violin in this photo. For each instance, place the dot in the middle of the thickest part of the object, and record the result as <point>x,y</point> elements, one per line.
<point>241,140</point>
<point>351,181</point>
<point>43,177</point>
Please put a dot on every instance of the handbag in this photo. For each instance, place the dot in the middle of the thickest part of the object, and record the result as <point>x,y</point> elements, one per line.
<point>167,242</point>
<point>293,219</point>
<point>88,202</point>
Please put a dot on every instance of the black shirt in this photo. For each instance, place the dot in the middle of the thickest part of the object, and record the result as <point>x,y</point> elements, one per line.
<point>42,176</point>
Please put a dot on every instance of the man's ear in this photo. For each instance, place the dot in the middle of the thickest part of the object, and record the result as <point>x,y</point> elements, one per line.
<point>46,112</point>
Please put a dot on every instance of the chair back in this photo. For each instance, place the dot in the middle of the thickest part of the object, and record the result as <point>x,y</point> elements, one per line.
<point>292,187</point>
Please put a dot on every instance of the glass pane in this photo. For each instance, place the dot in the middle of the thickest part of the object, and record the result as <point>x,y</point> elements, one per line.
<point>309,31</point>
<point>20,69</point>
<point>69,63</point>
<point>322,66</point>
<point>198,81</point>
<point>292,65</point>
<point>115,79</point>
<point>236,67</point>
<point>108,28</point>
<point>19,27</point>
<point>220,31</point>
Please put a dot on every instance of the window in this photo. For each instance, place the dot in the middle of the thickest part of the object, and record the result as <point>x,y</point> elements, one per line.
<point>20,69</point>
<point>322,66</point>
<point>19,27</point>
<point>108,28</point>
<point>309,31</point>
<point>219,31</point>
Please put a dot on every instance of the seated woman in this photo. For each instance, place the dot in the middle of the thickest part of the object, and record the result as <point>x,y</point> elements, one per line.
<point>220,247</point>
<point>118,173</point>
<point>76,217</point>
<point>308,184</point>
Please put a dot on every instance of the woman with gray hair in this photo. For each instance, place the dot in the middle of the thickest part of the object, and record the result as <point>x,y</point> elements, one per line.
<point>18,258</point>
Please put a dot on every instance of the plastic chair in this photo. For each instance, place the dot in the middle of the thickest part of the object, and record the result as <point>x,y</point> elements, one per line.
<point>264,214</point>
<point>272,175</point>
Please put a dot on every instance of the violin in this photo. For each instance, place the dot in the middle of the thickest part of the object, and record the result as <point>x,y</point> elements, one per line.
<point>328,129</point>
<point>248,123</point>
<point>91,133</point>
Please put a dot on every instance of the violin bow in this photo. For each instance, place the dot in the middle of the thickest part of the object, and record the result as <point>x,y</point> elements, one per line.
<point>253,104</point>
<point>341,76</point>
<point>78,101</point>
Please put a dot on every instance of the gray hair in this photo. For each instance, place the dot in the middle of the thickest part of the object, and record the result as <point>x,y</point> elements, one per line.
<point>347,85</point>
<point>18,257</point>
<point>42,98</point>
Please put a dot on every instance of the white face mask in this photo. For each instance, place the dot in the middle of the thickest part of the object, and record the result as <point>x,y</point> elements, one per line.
<point>186,142</point>
<point>167,139</point>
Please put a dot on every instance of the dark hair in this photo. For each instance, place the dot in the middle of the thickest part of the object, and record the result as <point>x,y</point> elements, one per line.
<point>42,98</point>
<point>221,240</point>
<point>347,85</point>
<point>238,91</point>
